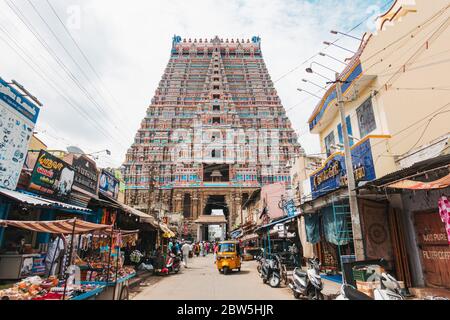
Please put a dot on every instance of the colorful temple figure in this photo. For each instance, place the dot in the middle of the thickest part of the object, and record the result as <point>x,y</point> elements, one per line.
<point>215,132</point>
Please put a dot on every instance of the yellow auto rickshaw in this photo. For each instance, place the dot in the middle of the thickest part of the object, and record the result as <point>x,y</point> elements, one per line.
<point>228,256</point>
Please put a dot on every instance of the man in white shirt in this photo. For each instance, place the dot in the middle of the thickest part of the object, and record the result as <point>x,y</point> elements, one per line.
<point>52,261</point>
<point>185,248</point>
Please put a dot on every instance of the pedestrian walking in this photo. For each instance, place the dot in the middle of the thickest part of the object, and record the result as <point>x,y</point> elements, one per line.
<point>216,249</point>
<point>294,253</point>
<point>197,249</point>
<point>202,249</point>
<point>169,246</point>
<point>185,248</point>
<point>206,248</point>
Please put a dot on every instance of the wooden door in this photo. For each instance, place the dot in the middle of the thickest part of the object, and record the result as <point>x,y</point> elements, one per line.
<point>434,248</point>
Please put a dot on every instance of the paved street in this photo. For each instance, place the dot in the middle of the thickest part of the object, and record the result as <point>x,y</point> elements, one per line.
<point>202,281</point>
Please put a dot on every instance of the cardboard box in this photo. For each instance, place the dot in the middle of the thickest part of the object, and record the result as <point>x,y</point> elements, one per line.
<point>368,287</point>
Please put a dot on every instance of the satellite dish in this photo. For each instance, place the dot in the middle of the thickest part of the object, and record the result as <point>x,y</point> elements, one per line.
<point>75,150</point>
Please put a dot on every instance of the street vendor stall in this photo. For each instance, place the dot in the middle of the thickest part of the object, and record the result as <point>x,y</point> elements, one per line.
<point>109,279</point>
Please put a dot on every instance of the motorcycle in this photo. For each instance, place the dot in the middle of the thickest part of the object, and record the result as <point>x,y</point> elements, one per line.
<point>389,290</point>
<point>308,284</point>
<point>270,270</point>
<point>173,263</point>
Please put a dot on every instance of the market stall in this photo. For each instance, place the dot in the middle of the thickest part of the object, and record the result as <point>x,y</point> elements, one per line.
<point>100,276</point>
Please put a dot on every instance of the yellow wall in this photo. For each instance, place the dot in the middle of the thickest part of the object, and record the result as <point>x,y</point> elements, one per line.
<point>404,111</point>
<point>36,144</point>
<point>409,110</point>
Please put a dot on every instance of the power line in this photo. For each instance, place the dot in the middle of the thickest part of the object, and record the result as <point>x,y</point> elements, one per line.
<point>328,46</point>
<point>23,19</point>
<point>98,106</point>
<point>47,80</point>
<point>84,56</point>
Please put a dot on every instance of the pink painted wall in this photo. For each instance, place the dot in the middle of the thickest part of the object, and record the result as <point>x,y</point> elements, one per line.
<point>271,195</point>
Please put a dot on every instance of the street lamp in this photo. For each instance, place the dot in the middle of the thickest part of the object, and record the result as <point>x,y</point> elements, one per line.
<point>310,70</point>
<point>310,93</point>
<point>345,34</point>
<point>319,64</point>
<point>327,55</point>
<point>333,44</point>
<point>319,86</point>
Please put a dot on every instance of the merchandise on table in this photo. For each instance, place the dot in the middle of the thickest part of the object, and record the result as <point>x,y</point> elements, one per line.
<point>36,288</point>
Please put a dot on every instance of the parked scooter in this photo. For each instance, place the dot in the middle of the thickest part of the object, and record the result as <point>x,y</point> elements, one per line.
<point>173,263</point>
<point>308,284</point>
<point>390,290</point>
<point>270,270</point>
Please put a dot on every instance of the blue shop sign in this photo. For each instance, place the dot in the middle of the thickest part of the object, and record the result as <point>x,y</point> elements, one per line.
<point>109,184</point>
<point>334,174</point>
<point>18,102</point>
<point>290,209</point>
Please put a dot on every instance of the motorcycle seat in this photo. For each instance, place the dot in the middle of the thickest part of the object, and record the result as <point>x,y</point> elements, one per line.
<point>300,273</point>
<point>353,294</point>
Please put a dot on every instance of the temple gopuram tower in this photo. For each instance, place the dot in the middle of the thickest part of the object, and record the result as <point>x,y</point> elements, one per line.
<point>215,132</point>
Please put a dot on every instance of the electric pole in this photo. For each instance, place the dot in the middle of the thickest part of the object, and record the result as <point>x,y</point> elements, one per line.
<point>353,201</point>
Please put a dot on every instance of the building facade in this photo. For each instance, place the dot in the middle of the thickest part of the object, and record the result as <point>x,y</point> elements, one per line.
<point>215,132</point>
<point>397,113</point>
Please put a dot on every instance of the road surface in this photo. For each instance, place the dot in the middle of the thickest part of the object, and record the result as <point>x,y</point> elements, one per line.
<point>202,281</point>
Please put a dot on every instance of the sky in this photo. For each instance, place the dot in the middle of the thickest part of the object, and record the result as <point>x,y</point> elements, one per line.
<point>95,64</point>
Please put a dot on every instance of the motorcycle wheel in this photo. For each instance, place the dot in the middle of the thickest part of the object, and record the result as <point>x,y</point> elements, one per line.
<point>319,295</point>
<point>311,294</point>
<point>274,281</point>
<point>226,270</point>
<point>264,280</point>
<point>296,295</point>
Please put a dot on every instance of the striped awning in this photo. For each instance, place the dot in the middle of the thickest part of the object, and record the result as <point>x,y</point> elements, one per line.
<point>58,226</point>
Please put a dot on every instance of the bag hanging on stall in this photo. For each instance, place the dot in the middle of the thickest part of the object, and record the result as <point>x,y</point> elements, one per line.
<point>312,228</point>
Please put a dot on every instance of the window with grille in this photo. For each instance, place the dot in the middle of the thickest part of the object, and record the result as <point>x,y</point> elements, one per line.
<point>366,118</point>
<point>329,142</point>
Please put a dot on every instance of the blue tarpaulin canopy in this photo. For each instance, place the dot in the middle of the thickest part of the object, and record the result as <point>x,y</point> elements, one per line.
<point>281,220</point>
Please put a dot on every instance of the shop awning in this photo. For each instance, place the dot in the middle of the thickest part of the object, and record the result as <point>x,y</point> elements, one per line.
<point>58,226</point>
<point>211,220</point>
<point>425,175</point>
<point>167,232</point>
<point>248,237</point>
<point>38,201</point>
<point>279,221</point>
<point>418,185</point>
<point>143,217</point>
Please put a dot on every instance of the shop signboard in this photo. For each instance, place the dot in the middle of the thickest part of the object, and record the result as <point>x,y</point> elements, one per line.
<point>281,228</point>
<point>334,174</point>
<point>18,117</point>
<point>86,174</point>
<point>236,234</point>
<point>52,176</point>
<point>290,209</point>
<point>109,184</point>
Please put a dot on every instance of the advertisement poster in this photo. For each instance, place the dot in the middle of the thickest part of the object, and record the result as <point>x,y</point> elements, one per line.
<point>52,176</point>
<point>109,184</point>
<point>18,117</point>
<point>86,174</point>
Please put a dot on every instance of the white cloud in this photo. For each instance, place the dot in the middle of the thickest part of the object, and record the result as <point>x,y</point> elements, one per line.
<point>129,44</point>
